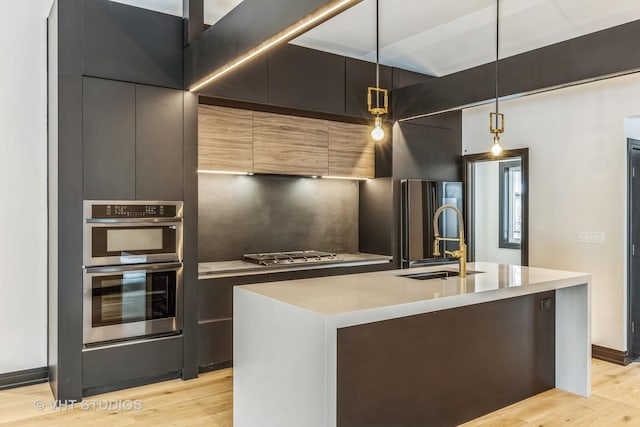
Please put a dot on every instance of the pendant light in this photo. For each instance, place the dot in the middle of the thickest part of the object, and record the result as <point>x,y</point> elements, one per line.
<point>496,119</point>
<point>377,133</point>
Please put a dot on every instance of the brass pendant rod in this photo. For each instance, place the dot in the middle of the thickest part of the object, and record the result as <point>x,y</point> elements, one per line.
<point>497,52</point>
<point>377,53</point>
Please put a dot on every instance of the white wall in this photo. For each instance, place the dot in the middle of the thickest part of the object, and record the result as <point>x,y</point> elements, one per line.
<point>487,216</point>
<point>578,182</point>
<point>23,185</point>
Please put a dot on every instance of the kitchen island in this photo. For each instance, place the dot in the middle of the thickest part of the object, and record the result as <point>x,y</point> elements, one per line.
<point>381,349</point>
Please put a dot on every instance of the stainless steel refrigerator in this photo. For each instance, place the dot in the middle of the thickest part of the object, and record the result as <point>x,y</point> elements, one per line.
<point>420,199</point>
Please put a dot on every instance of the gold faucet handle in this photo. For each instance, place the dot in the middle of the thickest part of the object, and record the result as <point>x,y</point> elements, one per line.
<point>455,254</point>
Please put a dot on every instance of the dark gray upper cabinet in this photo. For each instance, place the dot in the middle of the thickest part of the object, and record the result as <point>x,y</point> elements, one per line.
<point>429,148</point>
<point>127,43</point>
<point>359,76</point>
<point>247,83</point>
<point>108,134</point>
<point>159,144</point>
<point>402,78</point>
<point>132,141</point>
<point>306,79</point>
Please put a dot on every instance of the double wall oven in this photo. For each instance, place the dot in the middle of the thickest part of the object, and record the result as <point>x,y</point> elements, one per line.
<point>132,284</point>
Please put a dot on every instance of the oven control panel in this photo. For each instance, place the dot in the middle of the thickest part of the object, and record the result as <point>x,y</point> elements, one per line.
<point>133,211</point>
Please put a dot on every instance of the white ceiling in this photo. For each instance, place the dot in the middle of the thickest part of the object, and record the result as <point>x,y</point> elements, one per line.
<point>213,9</point>
<point>440,37</point>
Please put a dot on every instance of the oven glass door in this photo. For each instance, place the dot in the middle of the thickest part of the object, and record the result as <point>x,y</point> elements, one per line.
<point>112,244</point>
<point>126,304</point>
<point>134,296</point>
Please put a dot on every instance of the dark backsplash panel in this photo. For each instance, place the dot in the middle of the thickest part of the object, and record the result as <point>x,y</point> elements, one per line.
<point>248,214</point>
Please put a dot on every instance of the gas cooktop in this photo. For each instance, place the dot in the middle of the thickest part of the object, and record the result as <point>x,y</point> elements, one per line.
<point>287,258</point>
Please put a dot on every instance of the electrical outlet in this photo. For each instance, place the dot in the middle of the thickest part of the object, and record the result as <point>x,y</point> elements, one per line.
<point>591,236</point>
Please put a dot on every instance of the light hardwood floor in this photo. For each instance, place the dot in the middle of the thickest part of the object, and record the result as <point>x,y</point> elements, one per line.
<point>207,401</point>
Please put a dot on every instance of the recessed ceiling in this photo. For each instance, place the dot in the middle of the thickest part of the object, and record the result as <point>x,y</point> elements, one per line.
<point>213,9</point>
<point>440,37</point>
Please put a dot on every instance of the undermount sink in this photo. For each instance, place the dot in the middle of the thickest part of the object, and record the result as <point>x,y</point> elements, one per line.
<point>439,274</point>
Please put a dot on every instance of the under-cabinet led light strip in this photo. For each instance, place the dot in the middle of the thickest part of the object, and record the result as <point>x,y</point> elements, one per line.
<point>284,35</point>
<point>221,172</point>
<point>352,178</point>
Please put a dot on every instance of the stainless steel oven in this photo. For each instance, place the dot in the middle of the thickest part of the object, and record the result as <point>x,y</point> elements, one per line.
<point>131,232</point>
<point>132,285</point>
<point>122,302</point>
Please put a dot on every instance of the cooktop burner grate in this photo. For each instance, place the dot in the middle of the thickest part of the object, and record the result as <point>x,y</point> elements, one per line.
<point>292,257</point>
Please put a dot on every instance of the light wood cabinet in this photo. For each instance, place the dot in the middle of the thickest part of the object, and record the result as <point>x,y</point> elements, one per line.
<point>290,145</point>
<point>225,139</point>
<point>351,150</point>
<point>235,140</point>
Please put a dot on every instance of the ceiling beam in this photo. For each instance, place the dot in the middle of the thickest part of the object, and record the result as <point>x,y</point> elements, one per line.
<point>607,53</point>
<point>193,12</point>
<point>250,29</point>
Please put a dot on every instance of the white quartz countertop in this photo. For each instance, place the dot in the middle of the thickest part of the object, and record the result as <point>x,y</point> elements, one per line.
<point>345,294</point>
<point>210,270</point>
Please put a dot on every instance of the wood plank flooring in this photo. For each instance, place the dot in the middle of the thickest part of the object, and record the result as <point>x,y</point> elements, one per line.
<point>207,401</point>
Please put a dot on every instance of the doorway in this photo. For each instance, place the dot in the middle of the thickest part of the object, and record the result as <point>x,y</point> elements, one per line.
<point>633,250</point>
<point>496,202</point>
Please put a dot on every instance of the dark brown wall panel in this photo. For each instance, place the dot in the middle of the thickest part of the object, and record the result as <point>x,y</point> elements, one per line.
<point>306,79</point>
<point>67,305</point>
<point>247,83</point>
<point>407,372</point>
<point>126,43</point>
<point>190,245</point>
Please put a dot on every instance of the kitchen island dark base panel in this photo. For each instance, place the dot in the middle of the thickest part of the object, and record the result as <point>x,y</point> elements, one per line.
<point>125,365</point>
<point>215,325</point>
<point>439,382</point>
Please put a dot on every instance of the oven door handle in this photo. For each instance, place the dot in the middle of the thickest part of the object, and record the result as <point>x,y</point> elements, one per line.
<point>131,220</point>
<point>134,267</point>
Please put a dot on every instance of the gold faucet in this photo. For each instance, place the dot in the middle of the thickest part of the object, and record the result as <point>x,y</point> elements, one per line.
<point>461,253</point>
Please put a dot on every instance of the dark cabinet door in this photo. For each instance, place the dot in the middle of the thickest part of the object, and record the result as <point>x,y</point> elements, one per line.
<point>306,79</point>
<point>159,144</point>
<point>108,134</point>
<point>359,76</point>
<point>215,343</point>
